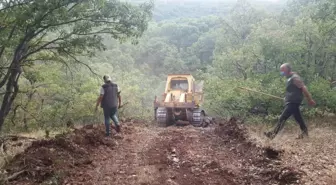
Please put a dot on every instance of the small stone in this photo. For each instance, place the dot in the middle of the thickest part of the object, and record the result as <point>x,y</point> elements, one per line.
<point>175,159</point>
<point>170,181</point>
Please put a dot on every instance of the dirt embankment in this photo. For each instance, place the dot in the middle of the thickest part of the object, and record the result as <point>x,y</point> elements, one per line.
<point>54,159</point>
<point>222,154</point>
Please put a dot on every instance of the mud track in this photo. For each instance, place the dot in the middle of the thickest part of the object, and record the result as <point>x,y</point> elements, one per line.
<point>221,154</point>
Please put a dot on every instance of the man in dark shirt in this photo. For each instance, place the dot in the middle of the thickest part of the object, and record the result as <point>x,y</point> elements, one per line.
<point>295,89</point>
<point>108,99</point>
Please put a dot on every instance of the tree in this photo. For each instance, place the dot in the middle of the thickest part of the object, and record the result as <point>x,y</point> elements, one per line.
<point>59,30</point>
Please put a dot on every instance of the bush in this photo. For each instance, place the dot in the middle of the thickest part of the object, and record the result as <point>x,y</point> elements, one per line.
<point>224,98</point>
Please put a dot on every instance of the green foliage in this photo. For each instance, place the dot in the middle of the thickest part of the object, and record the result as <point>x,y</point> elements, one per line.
<point>42,31</point>
<point>190,9</point>
<point>226,96</point>
<point>226,44</point>
<point>325,96</point>
<point>253,46</point>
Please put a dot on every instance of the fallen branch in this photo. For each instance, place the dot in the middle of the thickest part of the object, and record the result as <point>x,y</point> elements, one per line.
<point>4,152</point>
<point>15,175</point>
<point>15,138</point>
<point>121,106</point>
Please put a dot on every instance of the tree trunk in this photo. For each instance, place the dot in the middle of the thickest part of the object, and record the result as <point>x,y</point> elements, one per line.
<point>25,118</point>
<point>12,87</point>
<point>12,84</point>
<point>25,121</point>
<point>333,74</point>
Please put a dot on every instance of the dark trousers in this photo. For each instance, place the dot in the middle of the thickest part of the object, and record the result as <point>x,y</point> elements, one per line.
<point>110,113</point>
<point>289,110</point>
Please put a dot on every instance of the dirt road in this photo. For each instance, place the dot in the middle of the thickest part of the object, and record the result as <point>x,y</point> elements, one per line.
<point>145,154</point>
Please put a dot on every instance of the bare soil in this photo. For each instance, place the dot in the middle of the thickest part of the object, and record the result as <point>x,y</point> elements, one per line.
<point>147,154</point>
<point>314,156</point>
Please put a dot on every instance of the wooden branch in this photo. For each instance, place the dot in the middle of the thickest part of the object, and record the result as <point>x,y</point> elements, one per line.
<point>20,92</point>
<point>82,63</point>
<point>3,49</point>
<point>11,99</point>
<point>42,47</point>
<point>66,64</point>
<point>15,137</point>
<point>24,109</point>
<point>9,37</point>
<point>14,114</point>
<point>276,97</point>
<point>50,12</point>
<point>1,68</point>
<point>4,80</point>
<point>73,7</point>
<point>39,40</point>
<point>63,23</point>
<point>97,32</point>
<point>15,64</point>
<point>4,151</point>
<point>102,21</point>
<point>15,175</point>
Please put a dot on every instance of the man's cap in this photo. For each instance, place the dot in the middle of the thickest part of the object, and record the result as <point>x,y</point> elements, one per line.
<point>107,78</point>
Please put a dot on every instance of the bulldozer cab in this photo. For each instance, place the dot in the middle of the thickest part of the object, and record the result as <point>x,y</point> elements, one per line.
<point>181,100</point>
<point>179,84</point>
<point>182,82</point>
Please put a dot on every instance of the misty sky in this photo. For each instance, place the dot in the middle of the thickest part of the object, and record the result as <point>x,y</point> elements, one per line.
<point>167,1</point>
<point>274,0</point>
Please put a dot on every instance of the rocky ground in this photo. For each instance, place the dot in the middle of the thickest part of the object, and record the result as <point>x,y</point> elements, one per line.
<point>223,153</point>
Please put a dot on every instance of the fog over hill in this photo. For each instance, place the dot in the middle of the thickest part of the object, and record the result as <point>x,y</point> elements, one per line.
<point>172,9</point>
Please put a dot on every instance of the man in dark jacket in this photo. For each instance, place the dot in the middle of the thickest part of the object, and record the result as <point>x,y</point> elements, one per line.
<point>295,89</point>
<point>108,99</point>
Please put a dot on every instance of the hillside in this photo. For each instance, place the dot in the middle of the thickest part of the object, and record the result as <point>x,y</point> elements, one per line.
<point>54,54</point>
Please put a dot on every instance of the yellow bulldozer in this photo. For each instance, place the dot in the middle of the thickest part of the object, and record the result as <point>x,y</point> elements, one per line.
<point>181,101</point>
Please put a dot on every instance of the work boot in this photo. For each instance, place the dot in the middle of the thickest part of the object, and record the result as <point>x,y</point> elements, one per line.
<point>302,135</point>
<point>270,135</point>
<point>117,128</point>
<point>118,136</point>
